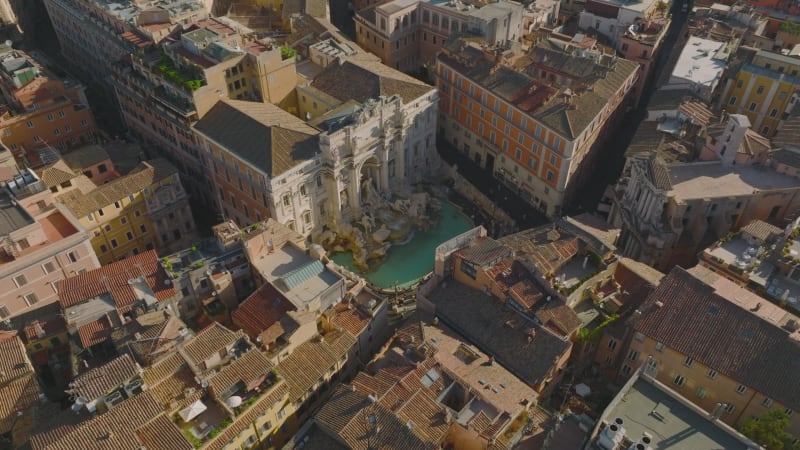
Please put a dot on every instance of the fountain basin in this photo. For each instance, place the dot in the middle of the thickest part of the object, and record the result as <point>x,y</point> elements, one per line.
<point>406,263</point>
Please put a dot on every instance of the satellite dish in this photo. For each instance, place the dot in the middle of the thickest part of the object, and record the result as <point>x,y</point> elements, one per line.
<point>234,401</point>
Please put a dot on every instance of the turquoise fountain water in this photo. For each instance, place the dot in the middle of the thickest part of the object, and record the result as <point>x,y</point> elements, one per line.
<point>405,264</point>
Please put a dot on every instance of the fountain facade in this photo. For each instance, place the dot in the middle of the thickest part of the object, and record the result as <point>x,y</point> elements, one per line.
<point>372,157</point>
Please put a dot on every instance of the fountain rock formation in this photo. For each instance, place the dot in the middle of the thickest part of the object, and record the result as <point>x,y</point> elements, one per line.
<point>383,223</point>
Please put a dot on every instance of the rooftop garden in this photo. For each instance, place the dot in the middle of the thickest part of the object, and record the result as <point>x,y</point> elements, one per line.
<point>220,418</point>
<point>178,75</point>
<point>790,249</point>
<point>790,27</point>
<point>287,52</point>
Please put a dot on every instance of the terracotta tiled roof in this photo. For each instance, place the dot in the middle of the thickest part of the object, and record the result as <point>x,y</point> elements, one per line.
<point>480,422</point>
<point>81,204</point>
<point>349,319</point>
<point>177,391</point>
<point>209,341</point>
<point>309,361</point>
<point>761,230</point>
<point>687,315</point>
<point>499,332</point>
<point>346,414</point>
<point>100,380</point>
<point>261,134</point>
<point>113,279</point>
<point>51,424</point>
<point>19,388</point>
<point>249,368</point>
<point>262,309</point>
<point>245,420</point>
<point>409,333</point>
<point>17,395</point>
<point>754,144</point>
<point>14,361</point>
<point>85,156</point>
<point>162,433</point>
<point>95,332</point>
<point>163,368</point>
<point>558,317</point>
<point>484,251</point>
<point>56,173</point>
<point>368,79</point>
<point>548,246</point>
<point>116,429</point>
<point>526,293</point>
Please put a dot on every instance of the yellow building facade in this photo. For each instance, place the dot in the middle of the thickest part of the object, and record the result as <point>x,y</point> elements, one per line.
<point>763,90</point>
<point>701,384</point>
<point>146,209</point>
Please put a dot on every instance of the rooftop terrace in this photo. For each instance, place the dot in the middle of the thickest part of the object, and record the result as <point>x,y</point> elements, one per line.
<point>646,406</point>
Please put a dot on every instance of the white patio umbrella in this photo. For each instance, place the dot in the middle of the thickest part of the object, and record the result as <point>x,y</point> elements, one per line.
<point>234,401</point>
<point>192,411</point>
<point>582,389</point>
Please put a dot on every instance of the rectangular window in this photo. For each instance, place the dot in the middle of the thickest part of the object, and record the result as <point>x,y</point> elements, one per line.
<point>752,106</point>
<point>730,408</point>
<point>129,235</point>
<point>612,344</point>
<point>701,393</point>
<point>29,123</point>
<point>143,228</point>
<point>741,389</point>
<point>114,243</point>
<point>766,402</point>
<point>73,256</point>
<point>679,380</point>
<point>639,336</point>
<point>31,299</point>
<point>20,280</point>
<point>49,267</point>
<point>4,312</point>
<point>688,361</point>
<point>788,411</point>
<point>711,374</point>
<point>732,101</point>
<point>626,370</point>
<point>633,355</point>
<point>469,269</point>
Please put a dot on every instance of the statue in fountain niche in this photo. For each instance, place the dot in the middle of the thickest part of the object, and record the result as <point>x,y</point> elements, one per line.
<point>368,194</point>
<point>368,223</point>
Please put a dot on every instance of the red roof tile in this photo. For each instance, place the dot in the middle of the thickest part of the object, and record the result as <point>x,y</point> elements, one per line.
<point>95,332</point>
<point>162,433</point>
<point>116,429</point>
<point>526,293</point>
<point>113,279</point>
<point>688,316</point>
<point>103,379</point>
<point>261,310</point>
<point>251,368</point>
